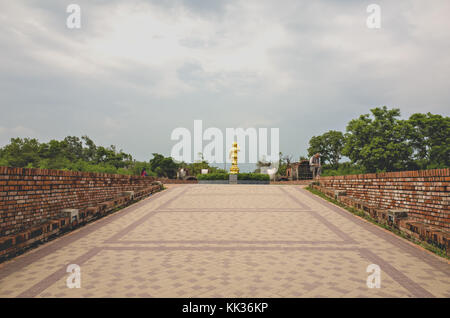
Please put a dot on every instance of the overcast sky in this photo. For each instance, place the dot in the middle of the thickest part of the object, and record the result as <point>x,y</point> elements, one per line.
<point>138,69</point>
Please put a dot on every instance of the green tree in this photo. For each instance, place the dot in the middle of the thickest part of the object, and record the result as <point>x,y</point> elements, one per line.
<point>90,151</point>
<point>163,166</point>
<point>379,143</point>
<point>21,153</point>
<point>283,164</point>
<point>67,154</point>
<point>430,140</point>
<point>195,168</point>
<point>329,145</point>
<point>137,166</point>
<point>72,147</point>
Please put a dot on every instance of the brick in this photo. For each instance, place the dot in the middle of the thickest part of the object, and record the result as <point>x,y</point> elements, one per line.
<point>41,194</point>
<point>423,194</point>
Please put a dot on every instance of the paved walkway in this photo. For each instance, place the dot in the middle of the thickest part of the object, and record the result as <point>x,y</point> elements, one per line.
<point>228,241</point>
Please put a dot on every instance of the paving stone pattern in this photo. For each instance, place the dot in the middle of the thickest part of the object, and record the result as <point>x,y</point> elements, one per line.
<point>228,241</point>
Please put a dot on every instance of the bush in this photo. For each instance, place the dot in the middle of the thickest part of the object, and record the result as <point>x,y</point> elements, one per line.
<point>213,176</point>
<point>345,168</point>
<point>253,176</point>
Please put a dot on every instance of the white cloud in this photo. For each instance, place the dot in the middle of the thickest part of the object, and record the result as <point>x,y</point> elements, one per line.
<point>17,131</point>
<point>305,67</point>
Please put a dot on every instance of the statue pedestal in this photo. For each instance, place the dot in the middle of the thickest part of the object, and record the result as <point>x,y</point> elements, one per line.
<point>233,179</point>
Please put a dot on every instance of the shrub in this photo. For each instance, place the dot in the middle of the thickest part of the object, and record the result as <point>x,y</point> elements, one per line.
<point>345,168</point>
<point>213,176</point>
<point>253,176</point>
<point>241,176</point>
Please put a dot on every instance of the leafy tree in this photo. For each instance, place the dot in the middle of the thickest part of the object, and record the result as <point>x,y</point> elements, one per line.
<point>90,151</point>
<point>283,164</point>
<point>163,166</point>
<point>21,153</point>
<point>195,168</point>
<point>381,143</point>
<point>329,145</point>
<point>72,148</point>
<point>67,154</point>
<point>430,140</point>
<point>137,166</point>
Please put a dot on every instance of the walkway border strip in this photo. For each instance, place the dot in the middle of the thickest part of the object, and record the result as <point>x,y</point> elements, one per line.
<point>21,261</point>
<point>395,240</point>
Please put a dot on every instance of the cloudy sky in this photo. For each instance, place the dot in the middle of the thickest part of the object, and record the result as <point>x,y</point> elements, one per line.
<point>138,69</point>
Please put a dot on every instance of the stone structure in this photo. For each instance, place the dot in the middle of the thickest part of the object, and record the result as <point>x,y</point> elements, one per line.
<point>424,195</point>
<point>233,179</point>
<point>299,171</point>
<point>29,196</point>
<point>183,174</point>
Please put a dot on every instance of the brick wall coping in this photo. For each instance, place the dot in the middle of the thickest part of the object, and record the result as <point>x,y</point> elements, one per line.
<point>61,173</point>
<point>400,174</point>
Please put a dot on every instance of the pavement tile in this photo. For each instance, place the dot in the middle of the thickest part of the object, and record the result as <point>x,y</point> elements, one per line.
<point>227,241</point>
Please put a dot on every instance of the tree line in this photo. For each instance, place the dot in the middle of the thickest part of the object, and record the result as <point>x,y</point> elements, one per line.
<point>71,153</point>
<point>82,154</point>
<point>375,142</point>
<point>381,141</point>
<point>168,168</point>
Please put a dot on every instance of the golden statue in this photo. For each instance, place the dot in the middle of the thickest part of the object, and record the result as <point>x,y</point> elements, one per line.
<point>233,155</point>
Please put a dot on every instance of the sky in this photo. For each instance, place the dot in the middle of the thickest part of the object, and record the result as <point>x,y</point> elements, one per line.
<point>137,69</point>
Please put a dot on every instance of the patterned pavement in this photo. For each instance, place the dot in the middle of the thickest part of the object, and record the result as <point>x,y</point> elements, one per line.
<point>228,241</point>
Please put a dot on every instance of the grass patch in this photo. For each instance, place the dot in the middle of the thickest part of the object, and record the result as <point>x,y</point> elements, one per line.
<point>432,248</point>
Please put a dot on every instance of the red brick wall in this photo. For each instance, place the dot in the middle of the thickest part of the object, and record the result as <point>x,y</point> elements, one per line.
<point>425,194</point>
<point>29,195</point>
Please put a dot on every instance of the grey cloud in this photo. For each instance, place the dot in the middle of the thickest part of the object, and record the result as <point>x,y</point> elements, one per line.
<point>405,64</point>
